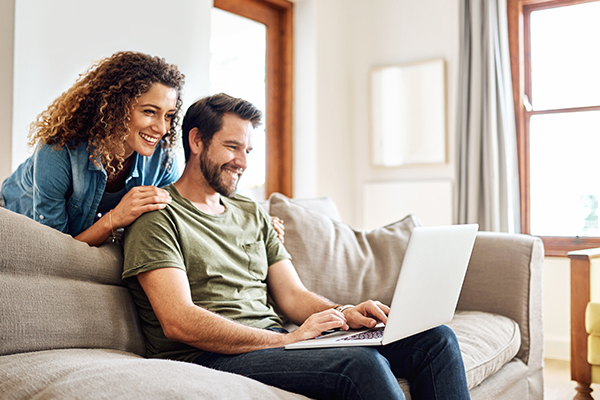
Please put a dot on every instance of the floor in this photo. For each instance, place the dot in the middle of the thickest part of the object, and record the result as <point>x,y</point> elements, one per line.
<point>557,381</point>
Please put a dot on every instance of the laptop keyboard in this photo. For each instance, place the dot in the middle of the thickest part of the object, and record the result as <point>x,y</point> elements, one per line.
<point>370,334</point>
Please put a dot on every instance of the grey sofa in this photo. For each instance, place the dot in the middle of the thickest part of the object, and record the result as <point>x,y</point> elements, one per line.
<point>69,329</point>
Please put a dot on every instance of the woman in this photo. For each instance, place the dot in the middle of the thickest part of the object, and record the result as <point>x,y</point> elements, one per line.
<point>103,149</point>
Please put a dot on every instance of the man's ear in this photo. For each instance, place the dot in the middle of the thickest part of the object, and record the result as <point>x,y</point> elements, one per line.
<point>195,141</point>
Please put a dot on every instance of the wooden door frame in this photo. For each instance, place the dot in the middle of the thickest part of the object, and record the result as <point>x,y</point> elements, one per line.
<point>277,16</point>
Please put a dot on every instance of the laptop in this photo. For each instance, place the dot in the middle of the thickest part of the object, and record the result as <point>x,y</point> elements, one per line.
<point>426,294</point>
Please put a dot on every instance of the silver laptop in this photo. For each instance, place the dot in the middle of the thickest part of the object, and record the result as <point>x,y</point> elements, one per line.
<point>426,294</point>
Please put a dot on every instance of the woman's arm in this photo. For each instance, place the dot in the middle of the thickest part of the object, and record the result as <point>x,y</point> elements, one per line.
<point>137,201</point>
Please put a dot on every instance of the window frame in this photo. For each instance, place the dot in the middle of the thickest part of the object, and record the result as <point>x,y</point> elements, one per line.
<point>520,60</point>
<point>277,16</point>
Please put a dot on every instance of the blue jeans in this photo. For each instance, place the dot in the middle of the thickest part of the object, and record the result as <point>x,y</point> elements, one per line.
<point>431,361</point>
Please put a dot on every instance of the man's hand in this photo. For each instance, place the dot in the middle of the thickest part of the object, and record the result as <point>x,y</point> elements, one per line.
<point>367,314</point>
<point>318,323</point>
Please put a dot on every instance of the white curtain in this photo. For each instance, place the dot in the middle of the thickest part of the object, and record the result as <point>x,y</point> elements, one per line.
<point>487,176</point>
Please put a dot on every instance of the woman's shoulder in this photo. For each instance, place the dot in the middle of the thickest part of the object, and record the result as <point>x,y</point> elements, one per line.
<point>48,153</point>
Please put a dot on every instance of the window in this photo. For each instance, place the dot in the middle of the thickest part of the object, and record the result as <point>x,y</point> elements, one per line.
<point>276,18</point>
<point>556,81</point>
<point>237,67</point>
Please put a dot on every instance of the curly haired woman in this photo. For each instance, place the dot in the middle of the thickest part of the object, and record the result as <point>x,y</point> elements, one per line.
<point>102,149</point>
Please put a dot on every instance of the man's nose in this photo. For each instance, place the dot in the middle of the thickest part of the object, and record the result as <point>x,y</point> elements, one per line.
<point>242,159</point>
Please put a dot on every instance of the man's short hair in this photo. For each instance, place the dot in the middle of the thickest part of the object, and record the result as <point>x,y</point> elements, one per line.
<point>207,113</point>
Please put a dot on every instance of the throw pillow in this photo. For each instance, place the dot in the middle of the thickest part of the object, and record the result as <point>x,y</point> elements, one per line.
<point>343,264</point>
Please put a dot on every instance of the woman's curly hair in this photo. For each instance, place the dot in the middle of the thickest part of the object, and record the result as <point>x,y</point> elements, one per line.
<point>97,109</point>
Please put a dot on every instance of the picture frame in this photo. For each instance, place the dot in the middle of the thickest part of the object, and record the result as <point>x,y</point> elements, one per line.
<point>408,114</point>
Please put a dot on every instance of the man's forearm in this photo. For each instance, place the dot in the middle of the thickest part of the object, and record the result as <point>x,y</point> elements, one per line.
<point>208,331</point>
<point>297,307</point>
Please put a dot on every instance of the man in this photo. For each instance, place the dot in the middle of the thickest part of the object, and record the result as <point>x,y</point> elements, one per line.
<point>201,268</point>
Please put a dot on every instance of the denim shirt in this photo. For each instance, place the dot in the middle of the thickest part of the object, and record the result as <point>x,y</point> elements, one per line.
<point>63,188</point>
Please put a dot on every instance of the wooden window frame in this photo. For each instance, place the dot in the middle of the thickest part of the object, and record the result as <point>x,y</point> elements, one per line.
<point>520,55</point>
<point>277,16</point>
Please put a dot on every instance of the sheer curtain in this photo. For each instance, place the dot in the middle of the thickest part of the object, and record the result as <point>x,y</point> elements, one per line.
<point>487,176</point>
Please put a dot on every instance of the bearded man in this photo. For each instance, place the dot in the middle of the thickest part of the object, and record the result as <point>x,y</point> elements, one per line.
<point>201,268</point>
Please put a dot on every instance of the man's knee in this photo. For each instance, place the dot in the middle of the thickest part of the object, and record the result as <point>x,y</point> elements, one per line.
<point>366,371</point>
<point>365,358</point>
<point>443,340</point>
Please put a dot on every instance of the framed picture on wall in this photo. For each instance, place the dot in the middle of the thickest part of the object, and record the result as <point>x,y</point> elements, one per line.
<point>408,114</point>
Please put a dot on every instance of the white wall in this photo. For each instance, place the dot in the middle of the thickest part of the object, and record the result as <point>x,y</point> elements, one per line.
<point>337,43</point>
<point>557,308</point>
<point>323,127</point>
<point>7,29</point>
<point>54,41</point>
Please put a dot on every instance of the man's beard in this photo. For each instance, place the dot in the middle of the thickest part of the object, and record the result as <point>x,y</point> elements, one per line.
<point>212,173</point>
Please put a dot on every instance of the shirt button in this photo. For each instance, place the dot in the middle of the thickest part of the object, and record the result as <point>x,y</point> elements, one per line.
<point>41,217</point>
<point>99,215</point>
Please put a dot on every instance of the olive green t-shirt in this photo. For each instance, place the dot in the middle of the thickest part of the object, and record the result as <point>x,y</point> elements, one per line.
<point>226,258</point>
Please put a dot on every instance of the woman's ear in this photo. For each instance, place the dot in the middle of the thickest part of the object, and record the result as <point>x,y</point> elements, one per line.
<point>195,141</point>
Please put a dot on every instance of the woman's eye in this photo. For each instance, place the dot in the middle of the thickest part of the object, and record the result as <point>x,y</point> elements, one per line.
<point>149,112</point>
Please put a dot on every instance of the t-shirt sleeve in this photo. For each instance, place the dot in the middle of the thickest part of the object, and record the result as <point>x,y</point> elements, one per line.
<point>150,243</point>
<point>276,251</point>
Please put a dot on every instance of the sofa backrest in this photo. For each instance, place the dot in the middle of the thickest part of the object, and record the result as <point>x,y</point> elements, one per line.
<point>57,292</point>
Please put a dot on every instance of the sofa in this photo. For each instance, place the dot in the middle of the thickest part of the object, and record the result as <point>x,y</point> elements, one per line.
<point>69,328</point>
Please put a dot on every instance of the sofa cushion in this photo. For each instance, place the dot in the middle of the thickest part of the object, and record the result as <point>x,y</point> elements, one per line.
<point>108,374</point>
<point>487,342</point>
<point>322,205</point>
<point>57,292</point>
<point>341,263</point>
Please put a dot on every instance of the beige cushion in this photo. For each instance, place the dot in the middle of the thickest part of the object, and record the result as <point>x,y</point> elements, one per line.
<point>487,342</point>
<point>95,374</point>
<point>57,292</point>
<point>341,263</point>
<point>322,205</point>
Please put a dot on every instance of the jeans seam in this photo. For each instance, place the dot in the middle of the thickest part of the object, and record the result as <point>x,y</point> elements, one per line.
<point>430,367</point>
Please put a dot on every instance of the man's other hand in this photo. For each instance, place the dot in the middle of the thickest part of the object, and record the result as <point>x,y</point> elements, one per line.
<point>366,314</point>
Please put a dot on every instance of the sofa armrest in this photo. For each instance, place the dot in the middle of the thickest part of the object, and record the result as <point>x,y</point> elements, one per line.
<point>505,277</point>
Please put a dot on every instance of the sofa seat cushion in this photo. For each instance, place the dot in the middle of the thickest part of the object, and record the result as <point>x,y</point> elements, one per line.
<point>110,374</point>
<point>487,342</point>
